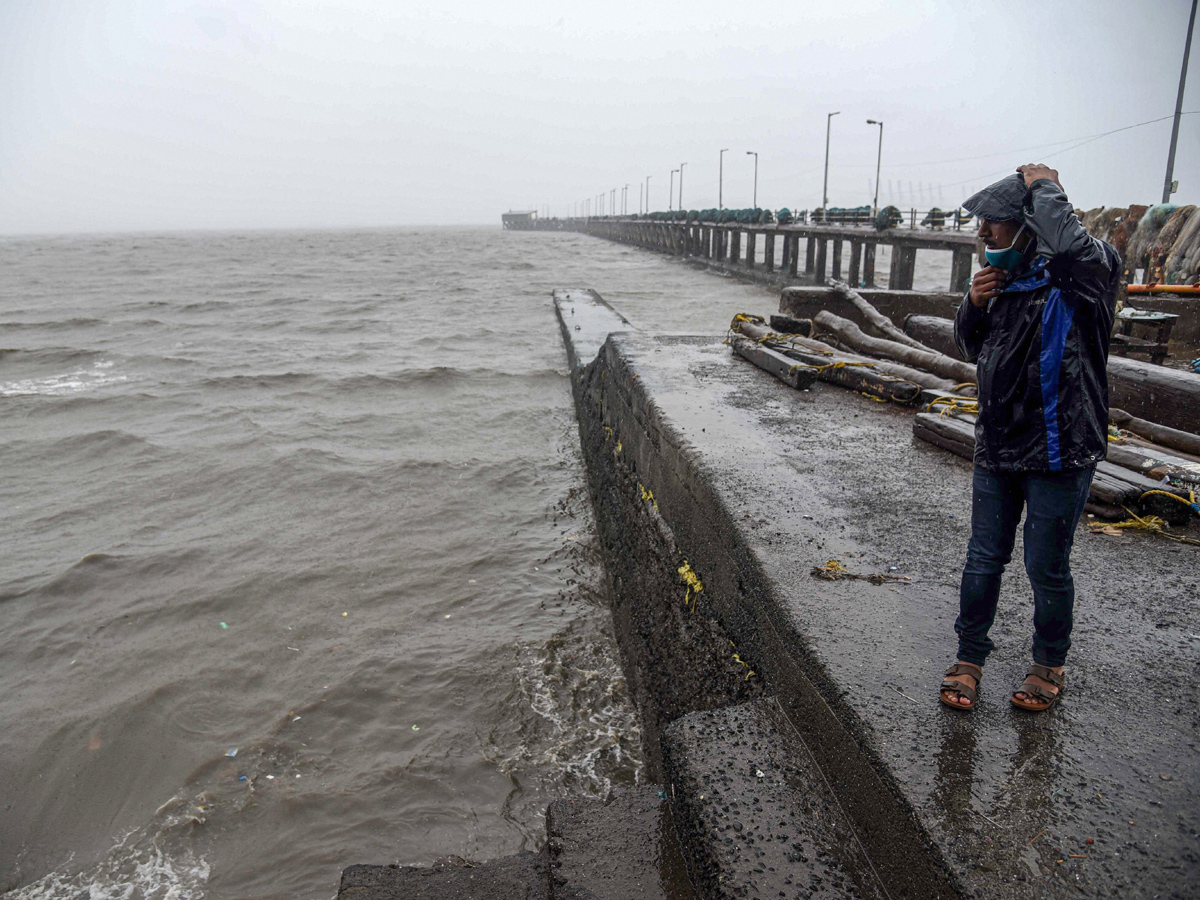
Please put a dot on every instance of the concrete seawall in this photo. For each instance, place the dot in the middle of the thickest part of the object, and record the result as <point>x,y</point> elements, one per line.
<point>793,720</point>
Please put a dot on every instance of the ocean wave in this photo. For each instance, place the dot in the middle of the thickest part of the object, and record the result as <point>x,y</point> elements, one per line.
<point>53,325</point>
<point>47,356</point>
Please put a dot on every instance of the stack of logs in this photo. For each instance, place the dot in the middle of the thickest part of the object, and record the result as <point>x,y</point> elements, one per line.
<point>900,367</point>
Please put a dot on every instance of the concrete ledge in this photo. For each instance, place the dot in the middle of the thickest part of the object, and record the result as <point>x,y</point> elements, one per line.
<point>755,484</point>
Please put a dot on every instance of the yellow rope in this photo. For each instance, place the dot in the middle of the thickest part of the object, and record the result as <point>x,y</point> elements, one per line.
<point>692,580</point>
<point>1152,524</point>
<point>952,404</point>
<point>966,384</point>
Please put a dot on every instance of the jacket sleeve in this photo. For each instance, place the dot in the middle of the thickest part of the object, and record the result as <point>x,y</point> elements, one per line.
<point>1087,261</point>
<point>970,328</point>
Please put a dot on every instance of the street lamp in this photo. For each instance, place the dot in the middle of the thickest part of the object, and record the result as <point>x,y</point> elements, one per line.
<point>721,180</point>
<point>1169,186</point>
<point>671,194</point>
<point>681,165</point>
<point>755,155</point>
<point>878,158</point>
<point>647,193</point>
<point>825,188</point>
<point>625,201</point>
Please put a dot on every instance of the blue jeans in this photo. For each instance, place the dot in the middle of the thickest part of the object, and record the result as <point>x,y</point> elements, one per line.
<point>1053,502</point>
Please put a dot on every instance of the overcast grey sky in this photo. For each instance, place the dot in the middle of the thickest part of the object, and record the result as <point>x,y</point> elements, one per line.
<point>154,114</point>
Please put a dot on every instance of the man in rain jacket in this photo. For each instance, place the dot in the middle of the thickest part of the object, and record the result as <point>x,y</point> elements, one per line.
<point>1037,321</point>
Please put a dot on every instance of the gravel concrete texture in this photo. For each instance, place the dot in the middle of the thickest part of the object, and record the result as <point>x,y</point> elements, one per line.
<point>757,816</point>
<point>621,847</point>
<point>757,483</point>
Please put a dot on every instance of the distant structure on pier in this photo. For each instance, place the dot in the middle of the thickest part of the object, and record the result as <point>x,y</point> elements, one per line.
<point>516,220</point>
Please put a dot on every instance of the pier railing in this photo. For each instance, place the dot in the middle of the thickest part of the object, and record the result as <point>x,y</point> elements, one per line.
<point>829,251</point>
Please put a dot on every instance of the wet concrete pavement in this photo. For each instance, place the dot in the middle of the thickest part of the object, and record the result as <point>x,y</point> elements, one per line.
<point>759,483</point>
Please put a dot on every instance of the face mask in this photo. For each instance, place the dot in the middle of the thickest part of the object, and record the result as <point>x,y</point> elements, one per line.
<point>1008,258</point>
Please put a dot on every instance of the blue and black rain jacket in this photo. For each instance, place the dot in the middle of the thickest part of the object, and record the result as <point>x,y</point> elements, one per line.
<point>1041,347</point>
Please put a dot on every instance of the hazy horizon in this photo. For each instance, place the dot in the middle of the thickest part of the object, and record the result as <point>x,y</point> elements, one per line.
<point>135,116</point>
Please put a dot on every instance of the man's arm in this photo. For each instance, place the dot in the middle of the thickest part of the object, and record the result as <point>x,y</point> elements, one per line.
<point>1061,236</point>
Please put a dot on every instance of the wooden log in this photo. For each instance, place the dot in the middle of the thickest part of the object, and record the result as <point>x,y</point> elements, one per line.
<point>790,325</point>
<point>935,332</point>
<point>1154,465</point>
<point>786,343</point>
<point>938,363</point>
<point>881,323</point>
<point>791,372</point>
<point>857,374</point>
<point>1168,397</point>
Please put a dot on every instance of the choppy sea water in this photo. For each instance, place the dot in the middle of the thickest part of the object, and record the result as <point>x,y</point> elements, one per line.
<point>299,568</point>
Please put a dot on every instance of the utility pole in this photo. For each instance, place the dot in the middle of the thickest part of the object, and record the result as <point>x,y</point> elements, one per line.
<point>1169,186</point>
<point>647,193</point>
<point>878,159</point>
<point>721,180</point>
<point>681,165</point>
<point>625,202</point>
<point>671,193</point>
<point>755,155</point>
<point>825,188</point>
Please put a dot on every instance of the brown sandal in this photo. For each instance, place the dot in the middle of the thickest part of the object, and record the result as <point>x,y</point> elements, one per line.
<point>961,688</point>
<point>1043,699</point>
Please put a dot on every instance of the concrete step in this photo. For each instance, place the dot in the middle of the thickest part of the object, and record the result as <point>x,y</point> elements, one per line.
<point>519,877</point>
<point>754,813</point>
<point>623,847</point>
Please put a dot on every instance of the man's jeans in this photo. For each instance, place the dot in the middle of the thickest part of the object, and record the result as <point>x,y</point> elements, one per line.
<point>1054,502</point>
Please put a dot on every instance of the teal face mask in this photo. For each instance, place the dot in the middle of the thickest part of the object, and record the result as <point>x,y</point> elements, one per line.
<point>1008,258</point>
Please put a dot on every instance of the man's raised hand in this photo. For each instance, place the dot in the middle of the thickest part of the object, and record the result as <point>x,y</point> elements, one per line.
<point>1033,171</point>
<point>986,285</point>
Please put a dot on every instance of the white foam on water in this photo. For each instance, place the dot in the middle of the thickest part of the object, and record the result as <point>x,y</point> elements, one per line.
<point>126,873</point>
<point>66,383</point>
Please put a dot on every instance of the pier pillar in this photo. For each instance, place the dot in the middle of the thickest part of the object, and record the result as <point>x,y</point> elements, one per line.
<point>809,255</point>
<point>837,259</point>
<point>868,273</point>
<point>904,261</point>
<point>751,248</point>
<point>855,263</point>
<point>708,243</point>
<point>819,270</point>
<point>769,251</point>
<point>960,271</point>
<point>791,250</point>
<point>735,246</point>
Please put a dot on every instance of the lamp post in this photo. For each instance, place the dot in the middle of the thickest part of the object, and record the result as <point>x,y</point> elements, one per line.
<point>681,165</point>
<point>625,201</point>
<point>721,180</point>
<point>825,188</point>
<point>755,155</point>
<point>647,193</point>
<point>878,159</point>
<point>671,193</point>
<point>1168,184</point>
